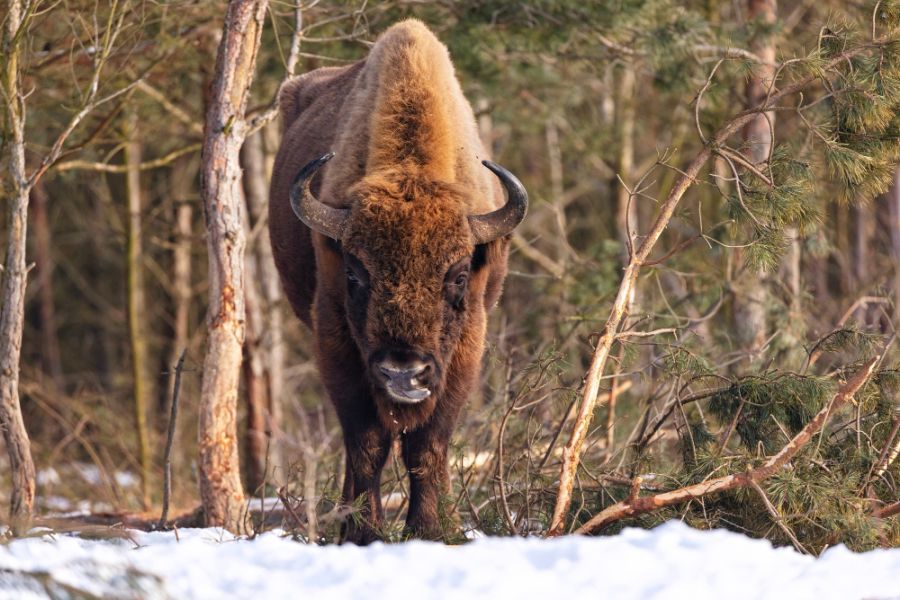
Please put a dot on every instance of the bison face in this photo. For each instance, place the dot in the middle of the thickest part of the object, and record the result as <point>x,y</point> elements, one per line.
<point>412,258</point>
<point>408,265</point>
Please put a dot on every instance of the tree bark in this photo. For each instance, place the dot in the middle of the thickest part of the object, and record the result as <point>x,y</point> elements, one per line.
<point>220,483</point>
<point>15,272</point>
<point>141,382</point>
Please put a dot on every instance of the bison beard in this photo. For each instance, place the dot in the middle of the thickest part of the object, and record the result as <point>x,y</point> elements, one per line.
<point>391,249</point>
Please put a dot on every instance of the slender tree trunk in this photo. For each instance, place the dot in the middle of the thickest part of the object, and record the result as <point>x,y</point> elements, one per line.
<point>136,303</point>
<point>626,212</point>
<point>51,359</point>
<point>894,198</point>
<point>749,308</point>
<point>626,206</point>
<point>220,481</point>
<point>255,363</point>
<point>864,225</point>
<point>264,347</point>
<point>182,177</point>
<point>843,249</point>
<point>15,271</point>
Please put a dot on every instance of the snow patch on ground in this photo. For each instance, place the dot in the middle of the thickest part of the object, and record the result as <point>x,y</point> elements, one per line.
<point>671,561</point>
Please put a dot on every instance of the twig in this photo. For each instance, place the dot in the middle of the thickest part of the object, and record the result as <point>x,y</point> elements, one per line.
<point>170,439</point>
<point>817,351</point>
<point>776,516</point>
<point>888,454</point>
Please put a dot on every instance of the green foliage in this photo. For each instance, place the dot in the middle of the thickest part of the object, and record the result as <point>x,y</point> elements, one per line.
<point>769,407</point>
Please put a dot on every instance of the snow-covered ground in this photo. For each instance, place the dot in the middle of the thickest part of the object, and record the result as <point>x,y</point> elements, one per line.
<point>671,562</point>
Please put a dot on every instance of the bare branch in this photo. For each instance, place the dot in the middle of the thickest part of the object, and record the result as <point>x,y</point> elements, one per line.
<point>167,104</point>
<point>268,115</point>
<point>156,163</point>
<point>530,252</point>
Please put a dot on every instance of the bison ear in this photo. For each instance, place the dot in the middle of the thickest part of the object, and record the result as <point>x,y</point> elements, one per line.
<point>501,222</point>
<point>316,215</point>
<point>289,100</point>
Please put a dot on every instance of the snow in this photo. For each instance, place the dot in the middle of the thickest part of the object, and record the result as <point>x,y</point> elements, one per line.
<point>671,562</point>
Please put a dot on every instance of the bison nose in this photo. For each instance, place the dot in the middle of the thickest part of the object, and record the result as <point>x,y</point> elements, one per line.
<point>405,381</point>
<point>405,372</point>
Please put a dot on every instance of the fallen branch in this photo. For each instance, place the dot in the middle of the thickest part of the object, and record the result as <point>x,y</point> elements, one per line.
<point>891,510</point>
<point>637,505</point>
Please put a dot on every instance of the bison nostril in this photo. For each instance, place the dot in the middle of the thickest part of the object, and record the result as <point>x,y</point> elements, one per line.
<point>424,375</point>
<point>415,373</point>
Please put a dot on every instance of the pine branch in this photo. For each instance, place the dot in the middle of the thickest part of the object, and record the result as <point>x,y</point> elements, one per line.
<point>636,506</point>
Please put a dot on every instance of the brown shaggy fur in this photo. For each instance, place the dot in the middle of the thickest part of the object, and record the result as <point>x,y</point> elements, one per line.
<point>408,166</point>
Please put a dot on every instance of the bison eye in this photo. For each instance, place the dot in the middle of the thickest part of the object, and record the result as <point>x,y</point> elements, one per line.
<point>455,282</point>
<point>357,277</point>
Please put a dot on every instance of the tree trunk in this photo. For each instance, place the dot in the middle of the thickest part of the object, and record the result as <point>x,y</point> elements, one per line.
<point>750,294</point>
<point>182,177</point>
<point>136,303</point>
<point>51,358</point>
<point>626,212</point>
<point>220,482</point>
<point>626,206</point>
<point>864,225</point>
<point>894,199</point>
<point>264,347</point>
<point>15,271</point>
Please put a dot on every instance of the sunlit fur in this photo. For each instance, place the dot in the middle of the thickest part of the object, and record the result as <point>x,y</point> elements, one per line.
<point>408,165</point>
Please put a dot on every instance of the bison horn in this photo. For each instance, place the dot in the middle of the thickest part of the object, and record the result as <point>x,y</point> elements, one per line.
<point>493,225</point>
<point>316,215</point>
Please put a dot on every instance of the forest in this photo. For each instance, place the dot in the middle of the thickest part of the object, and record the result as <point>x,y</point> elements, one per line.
<point>698,323</point>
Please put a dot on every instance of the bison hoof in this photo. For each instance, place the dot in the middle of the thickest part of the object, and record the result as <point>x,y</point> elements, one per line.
<point>360,535</point>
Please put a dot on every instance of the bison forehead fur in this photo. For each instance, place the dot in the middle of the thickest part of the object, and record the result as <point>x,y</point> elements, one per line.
<point>397,301</point>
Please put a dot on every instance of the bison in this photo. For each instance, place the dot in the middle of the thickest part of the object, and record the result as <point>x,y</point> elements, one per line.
<point>390,232</point>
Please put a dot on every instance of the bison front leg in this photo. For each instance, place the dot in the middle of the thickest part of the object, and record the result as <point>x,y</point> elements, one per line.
<point>425,456</point>
<point>367,452</point>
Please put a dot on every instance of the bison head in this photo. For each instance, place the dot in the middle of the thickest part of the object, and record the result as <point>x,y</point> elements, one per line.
<point>409,252</point>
